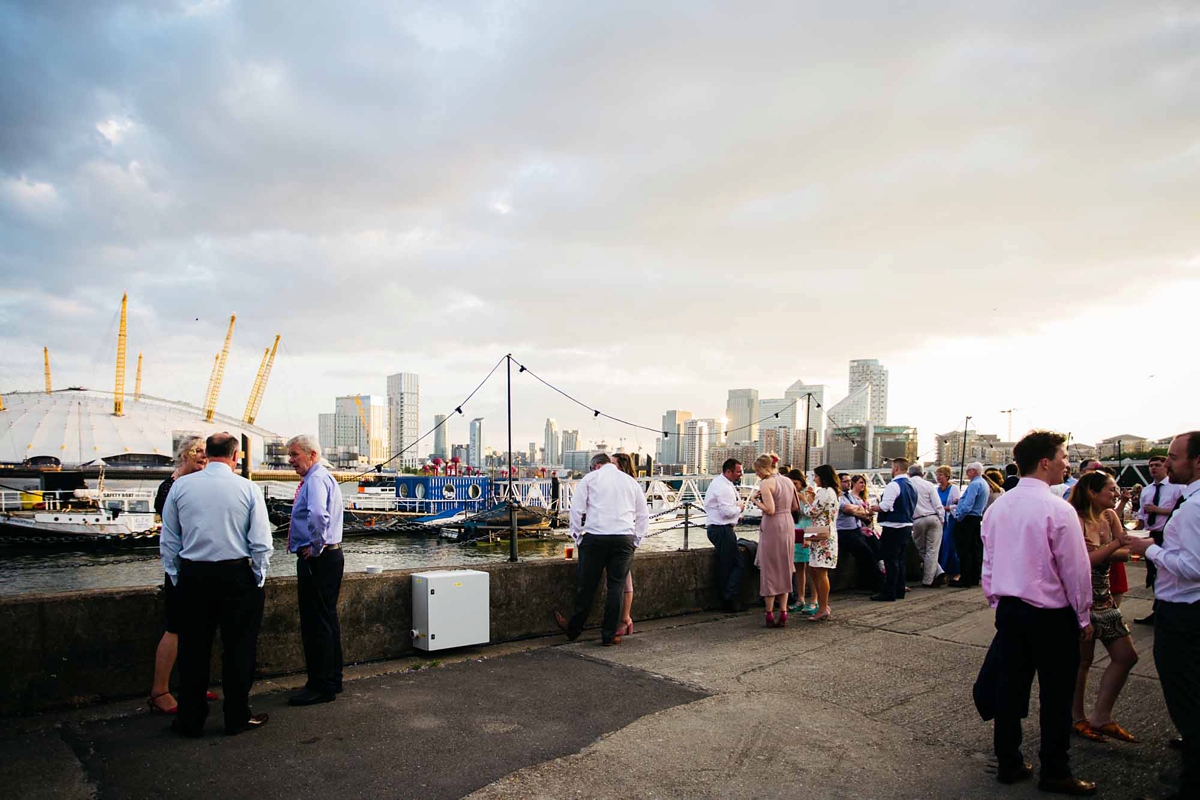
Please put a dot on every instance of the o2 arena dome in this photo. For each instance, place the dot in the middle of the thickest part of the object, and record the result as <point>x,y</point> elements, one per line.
<point>78,426</point>
<point>82,426</point>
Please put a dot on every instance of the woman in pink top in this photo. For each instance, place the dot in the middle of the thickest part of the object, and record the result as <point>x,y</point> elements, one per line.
<point>1093,498</point>
<point>777,499</point>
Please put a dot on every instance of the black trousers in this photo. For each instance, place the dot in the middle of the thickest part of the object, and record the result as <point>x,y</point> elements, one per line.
<point>318,584</point>
<point>866,557</point>
<point>216,594</point>
<point>1029,640</point>
<point>1151,570</point>
<point>611,555</point>
<point>970,549</point>
<point>730,564</point>
<point>893,549</point>
<point>1176,654</point>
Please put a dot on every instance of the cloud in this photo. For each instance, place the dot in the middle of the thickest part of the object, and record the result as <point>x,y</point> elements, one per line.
<point>631,194</point>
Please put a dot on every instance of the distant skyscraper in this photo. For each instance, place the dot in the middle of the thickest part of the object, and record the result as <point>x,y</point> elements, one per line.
<point>716,432</point>
<point>673,448</point>
<point>853,409</point>
<point>404,416</point>
<point>741,411</point>
<point>475,459</point>
<point>866,371</point>
<point>326,431</point>
<point>533,454</point>
<point>785,407</point>
<point>695,446</point>
<point>439,437</point>
<point>570,441</point>
<point>371,443</point>
<point>551,444</point>
<point>815,408</point>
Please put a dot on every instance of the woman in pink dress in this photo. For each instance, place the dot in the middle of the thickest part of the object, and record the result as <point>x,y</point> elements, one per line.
<point>777,499</point>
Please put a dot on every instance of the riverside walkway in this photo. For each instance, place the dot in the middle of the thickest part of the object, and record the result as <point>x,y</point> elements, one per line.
<point>874,704</point>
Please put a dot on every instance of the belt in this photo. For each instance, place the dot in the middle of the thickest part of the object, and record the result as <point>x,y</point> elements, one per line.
<point>337,546</point>
<point>925,516</point>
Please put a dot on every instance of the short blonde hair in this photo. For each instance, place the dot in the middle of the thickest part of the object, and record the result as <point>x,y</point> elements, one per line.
<point>944,469</point>
<point>186,445</point>
<point>764,464</point>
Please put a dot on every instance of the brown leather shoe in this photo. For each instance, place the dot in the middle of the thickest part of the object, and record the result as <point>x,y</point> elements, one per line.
<point>1068,785</point>
<point>614,640</point>
<point>1013,774</point>
<point>561,621</point>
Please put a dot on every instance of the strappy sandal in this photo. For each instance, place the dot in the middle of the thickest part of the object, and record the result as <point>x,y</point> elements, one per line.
<point>1084,729</point>
<point>1116,731</point>
<point>155,708</point>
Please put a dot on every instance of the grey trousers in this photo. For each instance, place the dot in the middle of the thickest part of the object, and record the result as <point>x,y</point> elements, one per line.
<point>927,536</point>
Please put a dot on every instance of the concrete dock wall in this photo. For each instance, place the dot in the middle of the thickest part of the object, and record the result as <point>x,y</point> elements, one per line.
<point>76,648</point>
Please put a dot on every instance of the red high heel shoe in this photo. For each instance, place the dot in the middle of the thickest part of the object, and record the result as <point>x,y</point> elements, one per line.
<point>782,619</point>
<point>210,696</point>
<point>625,629</point>
<point>155,708</point>
<point>771,620</point>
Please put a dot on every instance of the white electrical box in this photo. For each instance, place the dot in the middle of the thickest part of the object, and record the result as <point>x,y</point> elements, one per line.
<point>450,608</point>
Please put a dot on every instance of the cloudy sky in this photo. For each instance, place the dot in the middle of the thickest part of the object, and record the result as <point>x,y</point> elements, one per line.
<point>649,204</point>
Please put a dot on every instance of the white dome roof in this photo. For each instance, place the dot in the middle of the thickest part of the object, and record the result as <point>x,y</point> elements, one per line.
<point>77,426</point>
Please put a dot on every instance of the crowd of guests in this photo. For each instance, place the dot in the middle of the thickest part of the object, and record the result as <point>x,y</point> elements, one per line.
<point>1047,548</point>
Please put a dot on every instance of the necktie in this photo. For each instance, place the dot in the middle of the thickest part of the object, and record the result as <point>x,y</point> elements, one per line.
<point>1150,520</point>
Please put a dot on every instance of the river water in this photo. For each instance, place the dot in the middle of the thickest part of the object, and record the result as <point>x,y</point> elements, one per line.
<point>31,572</point>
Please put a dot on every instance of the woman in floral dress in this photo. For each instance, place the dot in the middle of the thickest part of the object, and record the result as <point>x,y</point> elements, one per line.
<point>822,537</point>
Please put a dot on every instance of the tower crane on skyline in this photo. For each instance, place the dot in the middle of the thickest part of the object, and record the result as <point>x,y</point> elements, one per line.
<point>46,355</point>
<point>137,384</point>
<point>1009,412</point>
<point>218,374</point>
<point>260,383</point>
<point>362,417</point>
<point>119,387</point>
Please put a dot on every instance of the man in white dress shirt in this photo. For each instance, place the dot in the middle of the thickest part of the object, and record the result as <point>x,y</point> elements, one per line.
<point>722,510</point>
<point>1177,596</point>
<point>1155,505</point>
<point>609,519</point>
<point>927,527</point>
<point>216,547</point>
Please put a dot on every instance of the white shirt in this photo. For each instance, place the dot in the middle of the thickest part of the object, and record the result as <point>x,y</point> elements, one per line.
<point>722,503</point>
<point>1167,498</point>
<point>887,501</point>
<point>1178,560</point>
<point>928,502</point>
<point>215,515</point>
<point>614,504</point>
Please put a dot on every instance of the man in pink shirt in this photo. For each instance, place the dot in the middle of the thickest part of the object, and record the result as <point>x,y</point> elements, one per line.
<point>1037,575</point>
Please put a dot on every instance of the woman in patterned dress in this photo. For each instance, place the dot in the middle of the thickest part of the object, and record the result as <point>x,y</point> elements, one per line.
<point>822,538</point>
<point>1094,497</point>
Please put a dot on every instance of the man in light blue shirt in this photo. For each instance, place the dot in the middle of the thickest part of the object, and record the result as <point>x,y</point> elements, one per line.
<point>968,516</point>
<point>315,536</point>
<point>216,547</point>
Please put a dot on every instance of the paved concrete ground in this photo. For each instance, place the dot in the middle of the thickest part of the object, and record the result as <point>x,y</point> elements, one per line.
<point>875,703</point>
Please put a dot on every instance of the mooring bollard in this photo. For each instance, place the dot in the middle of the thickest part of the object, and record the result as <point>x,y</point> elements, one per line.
<point>686,524</point>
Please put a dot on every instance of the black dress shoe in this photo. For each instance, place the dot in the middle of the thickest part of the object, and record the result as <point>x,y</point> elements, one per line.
<point>938,582</point>
<point>1146,620</point>
<point>882,598</point>
<point>955,582</point>
<point>1068,785</point>
<point>255,722</point>
<point>561,621</point>
<point>613,641</point>
<point>310,698</point>
<point>178,727</point>
<point>1017,772</point>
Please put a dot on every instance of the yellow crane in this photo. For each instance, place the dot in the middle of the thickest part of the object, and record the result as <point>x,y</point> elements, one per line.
<point>260,383</point>
<point>46,355</point>
<point>119,389</point>
<point>218,374</point>
<point>137,385</point>
<point>362,417</point>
